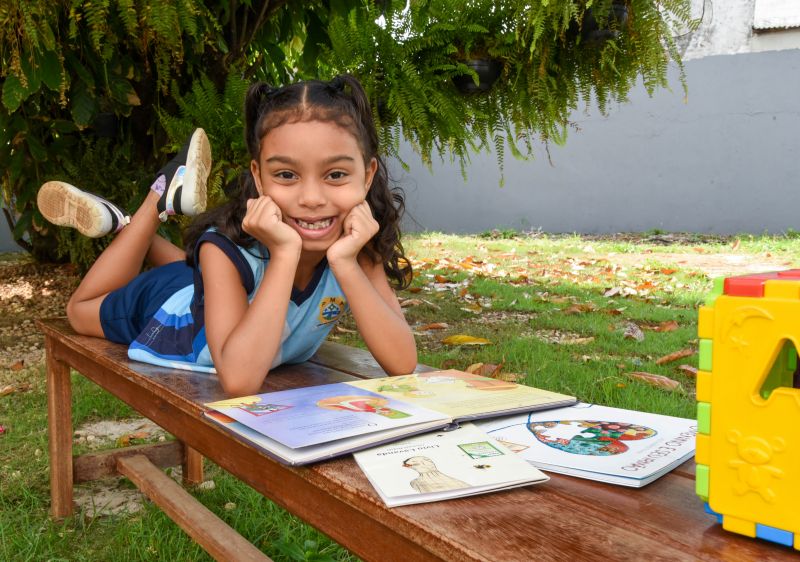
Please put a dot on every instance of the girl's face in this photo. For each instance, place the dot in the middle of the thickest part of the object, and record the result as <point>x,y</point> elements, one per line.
<point>315,173</point>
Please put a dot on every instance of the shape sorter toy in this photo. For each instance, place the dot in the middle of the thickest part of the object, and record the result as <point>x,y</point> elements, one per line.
<point>748,410</point>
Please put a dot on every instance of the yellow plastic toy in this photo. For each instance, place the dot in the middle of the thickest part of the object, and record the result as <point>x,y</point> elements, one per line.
<point>748,411</point>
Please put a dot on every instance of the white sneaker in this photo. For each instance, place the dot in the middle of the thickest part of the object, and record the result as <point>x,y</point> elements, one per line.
<point>65,205</point>
<point>186,175</point>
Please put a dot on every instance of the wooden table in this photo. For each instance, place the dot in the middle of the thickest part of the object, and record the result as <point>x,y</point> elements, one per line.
<point>563,519</point>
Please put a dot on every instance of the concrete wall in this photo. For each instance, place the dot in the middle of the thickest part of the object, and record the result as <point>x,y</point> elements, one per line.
<point>724,160</point>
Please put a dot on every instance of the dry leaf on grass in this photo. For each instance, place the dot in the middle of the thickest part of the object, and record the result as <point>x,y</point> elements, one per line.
<point>655,380</point>
<point>666,326</point>
<point>18,366</point>
<point>405,303</point>
<point>461,339</point>
<point>688,370</point>
<point>139,435</point>
<point>8,389</point>
<point>688,352</point>
<point>633,332</point>
<point>434,326</point>
<point>485,369</point>
<point>580,308</point>
<point>342,330</point>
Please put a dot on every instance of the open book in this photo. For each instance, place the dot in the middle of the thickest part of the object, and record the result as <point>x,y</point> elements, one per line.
<point>612,445</point>
<point>445,464</point>
<point>308,424</point>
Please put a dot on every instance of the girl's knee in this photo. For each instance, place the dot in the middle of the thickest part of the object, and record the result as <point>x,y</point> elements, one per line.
<point>84,317</point>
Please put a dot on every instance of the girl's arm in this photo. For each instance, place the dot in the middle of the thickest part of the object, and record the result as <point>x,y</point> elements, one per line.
<point>244,338</point>
<point>378,315</point>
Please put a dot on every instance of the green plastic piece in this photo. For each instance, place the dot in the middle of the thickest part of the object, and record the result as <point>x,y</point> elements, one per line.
<point>717,290</point>
<point>704,418</point>
<point>701,477</point>
<point>781,374</point>
<point>704,363</point>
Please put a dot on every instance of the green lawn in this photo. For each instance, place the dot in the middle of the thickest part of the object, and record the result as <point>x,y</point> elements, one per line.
<point>570,314</point>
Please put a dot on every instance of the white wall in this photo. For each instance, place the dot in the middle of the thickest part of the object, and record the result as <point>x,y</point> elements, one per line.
<point>724,160</point>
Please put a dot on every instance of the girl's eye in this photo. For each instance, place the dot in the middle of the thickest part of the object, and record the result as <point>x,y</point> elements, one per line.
<point>337,175</point>
<point>285,175</point>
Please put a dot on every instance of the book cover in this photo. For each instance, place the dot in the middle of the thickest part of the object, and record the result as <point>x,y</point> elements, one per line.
<point>601,443</point>
<point>443,465</point>
<point>342,417</point>
<point>303,417</point>
<point>464,396</point>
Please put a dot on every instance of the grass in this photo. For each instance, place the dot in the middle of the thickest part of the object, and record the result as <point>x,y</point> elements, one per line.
<point>555,309</point>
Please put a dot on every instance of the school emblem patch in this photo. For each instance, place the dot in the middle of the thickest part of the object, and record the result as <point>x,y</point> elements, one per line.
<point>330,309</point>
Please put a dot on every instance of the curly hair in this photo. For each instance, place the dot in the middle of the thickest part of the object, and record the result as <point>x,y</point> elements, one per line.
<point>341,101</point>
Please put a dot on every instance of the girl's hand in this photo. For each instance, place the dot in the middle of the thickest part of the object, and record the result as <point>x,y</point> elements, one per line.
<point>358,228</point>
<point>264,222</point>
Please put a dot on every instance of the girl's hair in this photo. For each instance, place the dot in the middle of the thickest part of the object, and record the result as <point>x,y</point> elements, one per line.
<point>341,101</point>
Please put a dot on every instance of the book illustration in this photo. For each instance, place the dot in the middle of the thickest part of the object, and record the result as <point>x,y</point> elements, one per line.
<point>430,479</point>
<point>480,450</point>
<point>368,404</point>
<point>589,437</point>
<point>598,442</point>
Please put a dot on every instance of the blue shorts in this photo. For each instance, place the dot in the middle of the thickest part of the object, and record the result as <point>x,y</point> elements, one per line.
<point>125,311</point>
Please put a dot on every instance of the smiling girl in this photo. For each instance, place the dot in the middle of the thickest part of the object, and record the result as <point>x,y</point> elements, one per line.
<point>313,231</point>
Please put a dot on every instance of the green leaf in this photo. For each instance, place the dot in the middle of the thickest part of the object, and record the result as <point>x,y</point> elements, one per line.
<point>51,70</point>
<point>13,93</point>
<point>84,104</point>
<point>36,148</point>
<point>123,92</point>
<point>81,71</point>
<point>23,224</point>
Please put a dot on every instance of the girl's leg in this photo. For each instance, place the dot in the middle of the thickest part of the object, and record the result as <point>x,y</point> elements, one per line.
<point>116,267</point>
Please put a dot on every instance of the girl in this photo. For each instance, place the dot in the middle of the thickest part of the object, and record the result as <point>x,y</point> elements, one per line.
<point>314,229</point>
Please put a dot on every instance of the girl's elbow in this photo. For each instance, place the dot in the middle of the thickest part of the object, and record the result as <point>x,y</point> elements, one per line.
<point>237,388</point>
<point>403,367</point>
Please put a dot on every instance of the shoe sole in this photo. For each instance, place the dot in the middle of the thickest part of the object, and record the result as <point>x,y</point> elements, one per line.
<point>65,205</point>
<point>198,168</point>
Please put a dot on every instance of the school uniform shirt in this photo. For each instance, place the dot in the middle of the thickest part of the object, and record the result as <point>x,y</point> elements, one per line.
<point>176,336</point>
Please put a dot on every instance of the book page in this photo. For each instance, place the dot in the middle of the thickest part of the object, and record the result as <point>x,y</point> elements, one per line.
<point>596,439</point>
<point>462,395</point>
<point>318,414</point>
<point>443,464</point>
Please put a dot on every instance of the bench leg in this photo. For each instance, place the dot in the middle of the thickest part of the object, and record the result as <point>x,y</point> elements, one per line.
<point>192,466</point>
<point>59,422</point>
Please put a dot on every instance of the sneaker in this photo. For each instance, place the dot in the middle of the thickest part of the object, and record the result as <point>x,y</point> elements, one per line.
<point>186,177</point>
<point>65,205</point>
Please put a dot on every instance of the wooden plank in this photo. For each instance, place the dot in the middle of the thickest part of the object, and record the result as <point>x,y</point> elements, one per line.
<point>354,361</point>
<point>93,466</point>
<point>192,466</point>
<point>59,424</point>
<point>208,530</point>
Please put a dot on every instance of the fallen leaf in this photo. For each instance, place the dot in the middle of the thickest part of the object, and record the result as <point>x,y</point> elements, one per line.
<point>449,364</point>
<point>139,435</point>
<point>688,352</point>
<point>613,291</point>
<point>485,369</point>
<point>434,326</point>
<point>472,307</point>
<point>415,289</point>
<point>405,303</point>
<point>666,326</point>
<point>342,330</point>
<point>580,308</point>
<point>667,271</point>
<point>18,366</point>
<point>633,331</point>
<point>511,377</point>
<point>655,380</point>
<point>124,441</point>
<point>688,370</point>
<point>8,389</point>
<point>441,279</point>
<point>735,245</point>
<point>461,339</point>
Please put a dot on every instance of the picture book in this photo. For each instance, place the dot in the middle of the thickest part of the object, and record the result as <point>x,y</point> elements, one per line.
<point>313,423</point>
<point>601,443</point>
<point>442,465</point>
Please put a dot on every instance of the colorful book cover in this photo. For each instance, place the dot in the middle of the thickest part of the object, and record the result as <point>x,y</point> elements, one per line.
<point>464,396</point>
<point>443,465</point>
<point>598,442</point>
<point>308,416</point>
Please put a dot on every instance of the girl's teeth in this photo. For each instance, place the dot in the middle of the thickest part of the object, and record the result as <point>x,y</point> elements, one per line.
<point>319,225</point>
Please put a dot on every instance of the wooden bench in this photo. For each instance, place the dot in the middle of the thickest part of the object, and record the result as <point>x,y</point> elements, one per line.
<point>563,519</point>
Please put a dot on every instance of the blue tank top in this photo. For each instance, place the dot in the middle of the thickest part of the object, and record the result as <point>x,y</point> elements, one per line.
<point>176,335</point>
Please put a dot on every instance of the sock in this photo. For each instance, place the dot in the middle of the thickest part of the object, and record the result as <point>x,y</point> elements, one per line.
<point>160,184</point>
